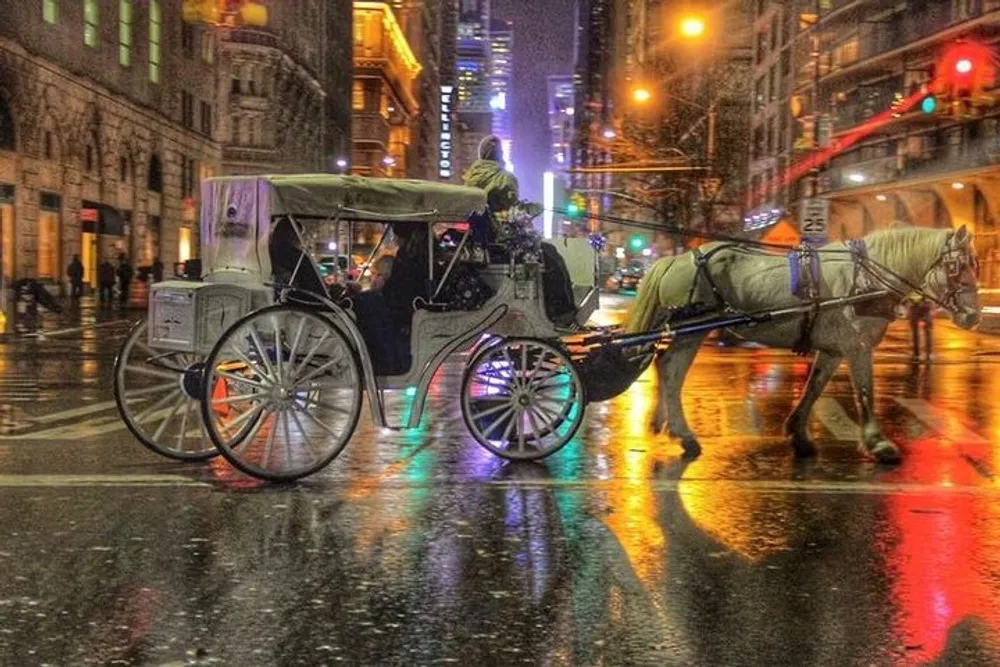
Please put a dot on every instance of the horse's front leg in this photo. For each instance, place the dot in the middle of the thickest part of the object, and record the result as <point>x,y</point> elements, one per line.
<point>673,366</point>
<point>797,426</point>
<point>872,440</point>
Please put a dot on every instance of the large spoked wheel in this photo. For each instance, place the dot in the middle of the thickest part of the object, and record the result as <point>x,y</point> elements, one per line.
<point>157,393</point>
<point>295,377</point>
<point>522,399</point>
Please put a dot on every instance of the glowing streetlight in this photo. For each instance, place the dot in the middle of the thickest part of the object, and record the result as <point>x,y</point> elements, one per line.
<point>963,66</point>
<point>693,27</point>
<point>641,95</point>
<point>609,134</point>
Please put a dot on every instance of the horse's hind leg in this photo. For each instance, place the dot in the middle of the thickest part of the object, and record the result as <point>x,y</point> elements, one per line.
<point>673,367</point>
<point>797,426</point>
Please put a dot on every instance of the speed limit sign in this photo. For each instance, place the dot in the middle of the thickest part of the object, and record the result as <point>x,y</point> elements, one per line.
<point>815,220</point>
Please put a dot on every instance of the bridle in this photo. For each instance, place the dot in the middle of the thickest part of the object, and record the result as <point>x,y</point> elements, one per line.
<point>955,261</point>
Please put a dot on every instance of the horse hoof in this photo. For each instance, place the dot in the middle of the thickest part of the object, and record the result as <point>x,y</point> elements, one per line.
<point>692,449</point>
<point>885,452</point>
<point>803,447</point>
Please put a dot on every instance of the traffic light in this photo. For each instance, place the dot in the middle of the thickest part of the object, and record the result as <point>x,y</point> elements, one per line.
<point>575,205</point>
<point>965,70</point>
<point>929,104</point>
<point>637,243</point>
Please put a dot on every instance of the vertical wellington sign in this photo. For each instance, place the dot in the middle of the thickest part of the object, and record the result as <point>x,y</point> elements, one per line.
<point>446,145</point>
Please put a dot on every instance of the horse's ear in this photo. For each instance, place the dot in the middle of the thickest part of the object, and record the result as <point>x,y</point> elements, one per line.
<point>962,235</point>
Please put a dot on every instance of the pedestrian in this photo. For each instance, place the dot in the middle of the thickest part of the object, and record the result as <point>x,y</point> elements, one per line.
<point>75,273</point>
<point>124,278</point>
<point>157,270</point>
<point>921,310</point>
<point>106,282</point>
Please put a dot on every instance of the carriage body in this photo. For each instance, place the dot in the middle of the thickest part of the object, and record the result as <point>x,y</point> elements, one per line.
<point>196,328</point>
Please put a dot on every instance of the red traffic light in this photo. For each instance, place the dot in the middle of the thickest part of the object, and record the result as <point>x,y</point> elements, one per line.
<point>966,66</point>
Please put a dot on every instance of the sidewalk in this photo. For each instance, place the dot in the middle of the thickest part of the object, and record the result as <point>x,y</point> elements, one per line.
<point>76,315</point>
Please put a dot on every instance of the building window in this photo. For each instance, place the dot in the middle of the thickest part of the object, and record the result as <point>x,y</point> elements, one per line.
<point>237,131</point>
<point>189,178</point>
<point>48,236</point>
<point>155,27</point>
<point>774,32</point>
<point>236,86</point>
<point>47,145</point>
<point>8,137</point>
<point>772,82</point>
<point>50,10</point>
<point>91,21</point>
<point>846,53</point>
<point>123,169</point>
<point>187,39</point>
<point>358,96</point>
<point>206,119</point>
<point>125,32</point>
<point>187,109</point>
<point>155,180</point>
<point>88,158</point>
<point>207,47</point>
<point>758,94</point>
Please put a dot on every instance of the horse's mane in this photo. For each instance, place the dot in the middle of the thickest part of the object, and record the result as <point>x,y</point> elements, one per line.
<point>908,250</point>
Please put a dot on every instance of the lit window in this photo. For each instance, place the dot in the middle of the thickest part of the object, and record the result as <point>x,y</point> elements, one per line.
<point>207,47</point>
<point>125,32</point>
<point>91,19</point>
<point>358,96</point>
<point>50,10</point>
<point>155,26</point>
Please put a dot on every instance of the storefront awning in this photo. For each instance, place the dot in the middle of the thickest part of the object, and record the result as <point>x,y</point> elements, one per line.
<point>97,218</point>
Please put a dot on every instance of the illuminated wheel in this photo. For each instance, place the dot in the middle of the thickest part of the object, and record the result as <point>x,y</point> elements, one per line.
<point>157,394</point>
<point>296,379</point>
<point>522,398</point>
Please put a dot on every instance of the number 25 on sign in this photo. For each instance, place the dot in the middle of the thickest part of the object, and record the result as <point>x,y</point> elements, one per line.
<point>815,216</point>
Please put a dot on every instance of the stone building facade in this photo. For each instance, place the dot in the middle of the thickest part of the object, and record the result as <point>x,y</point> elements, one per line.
<point>273,95</point>
<point>107,123</point>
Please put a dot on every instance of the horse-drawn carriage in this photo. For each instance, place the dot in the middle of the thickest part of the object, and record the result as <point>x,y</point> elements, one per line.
<point>262,362</point>
<point>271,370</point>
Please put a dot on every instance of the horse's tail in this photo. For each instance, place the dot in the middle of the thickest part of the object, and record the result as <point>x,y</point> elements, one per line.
<point>647,298</point>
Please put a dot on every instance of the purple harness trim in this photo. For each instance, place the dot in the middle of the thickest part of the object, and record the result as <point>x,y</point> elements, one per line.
<point>795,276</point>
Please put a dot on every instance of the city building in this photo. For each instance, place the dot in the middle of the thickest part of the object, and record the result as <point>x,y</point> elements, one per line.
<point>275,106</point>
<point>421,23</point>
<point>339,76</point>
<point>501,78</point>
<point>107,122</point>
<point>384,92</point>
<point>473,69</point>
<point>671,106</point>
<point>562,110</point>
<point>890,148</point>
<point>450,134</point>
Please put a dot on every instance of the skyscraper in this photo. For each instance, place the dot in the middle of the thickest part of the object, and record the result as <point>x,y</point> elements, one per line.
<point>562,112</point>
<point>501,75</point>
<point>473,68</point>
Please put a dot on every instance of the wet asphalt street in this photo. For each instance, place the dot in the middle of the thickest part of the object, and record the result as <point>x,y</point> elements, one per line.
<point>421,548</point>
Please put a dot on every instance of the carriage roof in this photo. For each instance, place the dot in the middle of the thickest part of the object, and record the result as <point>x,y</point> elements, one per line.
<point>237,212</point>
<point>372,199</point>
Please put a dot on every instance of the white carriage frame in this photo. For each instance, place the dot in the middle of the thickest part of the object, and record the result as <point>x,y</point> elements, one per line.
<point>517,308</point>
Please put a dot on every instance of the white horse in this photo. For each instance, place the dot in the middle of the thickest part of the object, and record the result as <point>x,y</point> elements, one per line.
<point>937,262</point>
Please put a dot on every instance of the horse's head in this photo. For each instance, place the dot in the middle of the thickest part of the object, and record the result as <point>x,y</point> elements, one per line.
<point>952,279</point>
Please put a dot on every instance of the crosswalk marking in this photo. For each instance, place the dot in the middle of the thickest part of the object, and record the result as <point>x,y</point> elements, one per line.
<point>942,421</point>
<point>835,419</point>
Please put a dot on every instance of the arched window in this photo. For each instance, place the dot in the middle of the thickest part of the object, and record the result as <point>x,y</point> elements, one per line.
<point>8,138</point>
<point>155,181</point>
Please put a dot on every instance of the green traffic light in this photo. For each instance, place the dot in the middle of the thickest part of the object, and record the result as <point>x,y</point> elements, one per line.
<point>929,104</point>
<point>637,242</point>
<point>572,210</point>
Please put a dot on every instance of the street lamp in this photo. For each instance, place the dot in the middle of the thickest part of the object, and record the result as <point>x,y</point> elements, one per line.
<point>693,27</point>
<point>641,95</point>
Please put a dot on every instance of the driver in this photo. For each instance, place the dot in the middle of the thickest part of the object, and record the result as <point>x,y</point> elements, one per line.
<point>501,187</point>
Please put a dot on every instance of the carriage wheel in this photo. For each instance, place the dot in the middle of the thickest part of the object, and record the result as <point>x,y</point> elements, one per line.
<point>297,380</point>
<point>522,399</point>
<point>157,396</point>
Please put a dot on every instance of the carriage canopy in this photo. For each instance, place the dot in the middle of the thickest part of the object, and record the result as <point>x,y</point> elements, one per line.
<point>237,211</point>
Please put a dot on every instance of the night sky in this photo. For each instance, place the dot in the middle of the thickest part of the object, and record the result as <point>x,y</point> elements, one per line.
<point>543,45</point>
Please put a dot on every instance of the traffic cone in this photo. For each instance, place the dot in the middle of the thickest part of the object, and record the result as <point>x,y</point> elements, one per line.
<point>220,391</point>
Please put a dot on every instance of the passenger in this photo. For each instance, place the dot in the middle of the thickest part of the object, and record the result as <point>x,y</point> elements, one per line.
<point>290,264</point>
<point>501,187</point>
<point>381,269</point>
